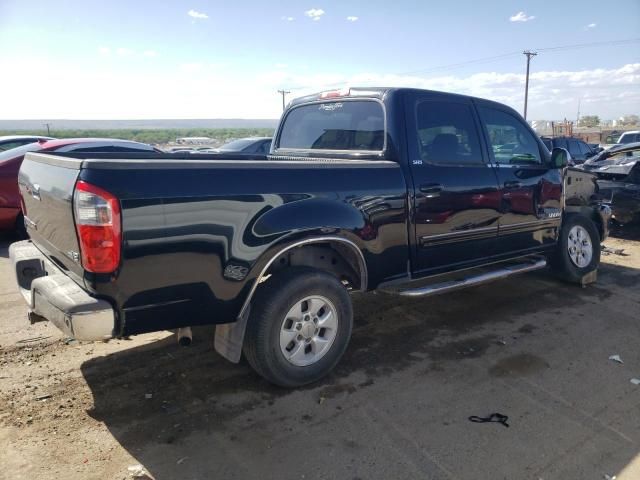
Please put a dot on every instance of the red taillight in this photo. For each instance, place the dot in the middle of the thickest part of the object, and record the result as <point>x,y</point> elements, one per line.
<point>97,215</point>
<point>345,92</point>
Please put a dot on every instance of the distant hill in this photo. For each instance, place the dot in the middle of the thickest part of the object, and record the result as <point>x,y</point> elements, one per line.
<point>63,124</point>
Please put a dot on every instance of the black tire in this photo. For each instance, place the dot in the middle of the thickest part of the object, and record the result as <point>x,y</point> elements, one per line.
<point>561,262</point>
<point>21,230</point>
<point>268,311</point>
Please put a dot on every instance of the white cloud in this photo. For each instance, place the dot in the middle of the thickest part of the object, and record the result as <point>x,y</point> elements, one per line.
<point>315,13</point>
<point>207,92</point>
<point>192,67</point>
<point>352,19</point>
<point>521,17</point>
<point>150,53</point>
<point>199,15</point>
<point>590,26</point>
<point>287,19</point>
<point>104,51</point>
<point>552,94</point>
<point>124,52</point>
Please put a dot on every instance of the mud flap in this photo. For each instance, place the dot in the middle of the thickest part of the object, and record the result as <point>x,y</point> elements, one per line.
<point>589,278</point>
<point>230,337</point>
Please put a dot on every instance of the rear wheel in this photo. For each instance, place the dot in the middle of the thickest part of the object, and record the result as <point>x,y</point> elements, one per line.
<point>578,250</point>
<point>299,327</point>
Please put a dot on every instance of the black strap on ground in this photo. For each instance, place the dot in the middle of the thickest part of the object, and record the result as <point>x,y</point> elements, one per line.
<point>494,417</point>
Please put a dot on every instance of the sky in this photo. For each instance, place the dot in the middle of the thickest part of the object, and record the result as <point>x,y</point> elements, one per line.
<point>139,59</point>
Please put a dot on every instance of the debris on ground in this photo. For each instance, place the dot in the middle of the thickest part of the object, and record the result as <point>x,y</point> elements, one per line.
<point>609,477</point>
<point>136,471</point>
<point>44,396</point>
<point>181,460</point>
<point>32,339</point>
<point>148,396</point>
<point>494,417</point>
<point>616,251</point>
<point>616,358</point>
<point>635,381</point>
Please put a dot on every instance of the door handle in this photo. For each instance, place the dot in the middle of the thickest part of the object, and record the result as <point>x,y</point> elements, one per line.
<point>513,184</point>
<point>431,190</point>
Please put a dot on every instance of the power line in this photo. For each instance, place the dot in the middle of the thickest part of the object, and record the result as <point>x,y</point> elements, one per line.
<point>493,58</point>
<point>591,44</point>
<point>462,64</point>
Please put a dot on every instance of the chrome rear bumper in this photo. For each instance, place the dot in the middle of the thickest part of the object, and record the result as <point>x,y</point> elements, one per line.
<point>51,295</point>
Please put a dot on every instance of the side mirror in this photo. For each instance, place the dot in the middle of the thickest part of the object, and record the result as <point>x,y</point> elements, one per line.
<point>560,158</point>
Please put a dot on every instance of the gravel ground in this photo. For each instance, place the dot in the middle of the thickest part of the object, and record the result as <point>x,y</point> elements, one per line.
<point>397,406</point>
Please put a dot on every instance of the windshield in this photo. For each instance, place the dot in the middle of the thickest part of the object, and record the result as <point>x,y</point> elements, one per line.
<point>626,156</point>
<point>336,125</point>
<point>237,145</point>
<point>627,138</point>
<point>19,151</point>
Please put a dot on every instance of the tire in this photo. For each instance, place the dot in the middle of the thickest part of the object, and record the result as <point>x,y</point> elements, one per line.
<point>20,229</point>
<point>572,265</point>
<point>276,313</point>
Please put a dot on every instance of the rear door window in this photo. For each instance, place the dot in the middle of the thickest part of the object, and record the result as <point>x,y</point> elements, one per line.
<point>447,133</point>
<point>337,125</point>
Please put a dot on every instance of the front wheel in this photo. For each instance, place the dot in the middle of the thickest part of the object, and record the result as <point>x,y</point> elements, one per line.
<point>578,250</point>
<point>299,326</point>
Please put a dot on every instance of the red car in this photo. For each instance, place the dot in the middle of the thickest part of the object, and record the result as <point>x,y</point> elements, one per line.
<point>10,161</point>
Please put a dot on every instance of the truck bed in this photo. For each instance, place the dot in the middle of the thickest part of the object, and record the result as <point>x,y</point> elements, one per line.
<point>188,223</point>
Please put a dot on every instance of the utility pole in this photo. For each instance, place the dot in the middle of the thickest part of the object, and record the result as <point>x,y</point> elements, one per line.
<point>283,93</point>
<point>48,129</point>
<point>529,54</point>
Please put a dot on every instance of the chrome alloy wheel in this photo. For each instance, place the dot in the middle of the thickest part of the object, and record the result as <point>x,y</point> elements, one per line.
<point>579,246</point>
<point>308,330</point>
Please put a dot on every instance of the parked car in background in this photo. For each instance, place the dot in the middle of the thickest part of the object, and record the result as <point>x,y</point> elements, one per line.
<point>618,172</point>
<point>13,141</point>
<point>621,138</point>
<point>629,137</point>
<point>595,147</point>
<point>11,217</point>
<point>257,145</point>
<point>579,150</point>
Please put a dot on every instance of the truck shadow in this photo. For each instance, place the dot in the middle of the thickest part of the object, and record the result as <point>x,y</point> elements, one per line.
<point>197,394</point>
<point>6,239</point>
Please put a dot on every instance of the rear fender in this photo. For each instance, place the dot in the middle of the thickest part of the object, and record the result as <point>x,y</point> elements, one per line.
<point>230,337</point>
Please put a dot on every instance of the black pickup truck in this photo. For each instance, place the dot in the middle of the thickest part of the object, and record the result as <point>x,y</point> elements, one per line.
<point>406,191</point>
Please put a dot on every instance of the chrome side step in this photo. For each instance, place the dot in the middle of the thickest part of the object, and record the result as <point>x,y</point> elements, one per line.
<point>449,286</point>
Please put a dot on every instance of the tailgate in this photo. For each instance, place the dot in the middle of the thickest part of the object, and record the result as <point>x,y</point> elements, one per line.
<point>46,185</point>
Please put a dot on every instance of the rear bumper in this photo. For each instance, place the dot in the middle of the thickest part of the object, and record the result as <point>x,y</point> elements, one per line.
<point>52,295</point>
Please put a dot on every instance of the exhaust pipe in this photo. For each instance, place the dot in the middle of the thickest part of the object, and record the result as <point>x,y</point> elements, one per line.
<point>184,336</point>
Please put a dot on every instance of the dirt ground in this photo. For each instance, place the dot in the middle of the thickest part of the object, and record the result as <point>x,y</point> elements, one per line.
<point>397,406</point>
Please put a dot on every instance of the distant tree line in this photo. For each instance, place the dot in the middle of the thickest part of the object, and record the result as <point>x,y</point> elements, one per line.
<point>594,120</point>
<point>153,135</point>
